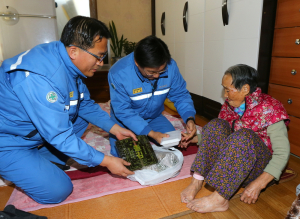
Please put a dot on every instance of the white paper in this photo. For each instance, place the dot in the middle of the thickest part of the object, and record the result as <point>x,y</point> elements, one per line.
<point>175,137</point>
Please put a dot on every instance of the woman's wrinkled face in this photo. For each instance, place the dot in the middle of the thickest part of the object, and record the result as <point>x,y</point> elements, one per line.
<point>234,97</point>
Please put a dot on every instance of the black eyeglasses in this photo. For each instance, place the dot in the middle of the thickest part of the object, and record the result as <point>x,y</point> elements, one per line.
<point>155,73</point>
<point>99,58</point>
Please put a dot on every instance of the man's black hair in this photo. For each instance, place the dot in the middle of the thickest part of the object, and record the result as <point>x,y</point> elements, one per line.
<point>243,74</point>
<point>151,52</point>
<point>82,31</point>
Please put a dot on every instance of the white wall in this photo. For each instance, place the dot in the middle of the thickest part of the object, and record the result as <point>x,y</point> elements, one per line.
<point>236,43</point>
<point>185,47</point>
<point>209,48</point>
<point>169,37</point>
<point>189,45</point>
<point>28,31</point>
<point>66,9</point>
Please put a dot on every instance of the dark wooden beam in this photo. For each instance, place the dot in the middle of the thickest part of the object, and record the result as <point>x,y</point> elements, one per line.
<point>266,43</point>
<point>153,17</point>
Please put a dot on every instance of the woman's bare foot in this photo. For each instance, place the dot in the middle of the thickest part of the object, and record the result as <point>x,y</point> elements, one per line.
<point>189,193</point>
<point>211,203</point>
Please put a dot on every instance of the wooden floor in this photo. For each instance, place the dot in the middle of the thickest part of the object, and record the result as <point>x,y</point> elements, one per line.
<point>273,203</point>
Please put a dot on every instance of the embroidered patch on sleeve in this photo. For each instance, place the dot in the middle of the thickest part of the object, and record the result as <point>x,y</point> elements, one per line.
<point>51,97</point>
<point>137,90</point>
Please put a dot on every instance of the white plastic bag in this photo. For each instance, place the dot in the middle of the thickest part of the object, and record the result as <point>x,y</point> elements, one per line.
<point>152,177</point>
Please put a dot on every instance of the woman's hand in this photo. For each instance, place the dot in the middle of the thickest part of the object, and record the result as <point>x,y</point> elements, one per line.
<point>190,136</point>
<point>116,166</point>
<point>191,128</point>
<point>157,136</point>
<point>252,191</point>
<point>186,140</point>
<point>122,133</point>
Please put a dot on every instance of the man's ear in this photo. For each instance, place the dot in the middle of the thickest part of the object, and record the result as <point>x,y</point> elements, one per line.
<point>73,52</point>
<point>136,63</point>
<point>246,89</point>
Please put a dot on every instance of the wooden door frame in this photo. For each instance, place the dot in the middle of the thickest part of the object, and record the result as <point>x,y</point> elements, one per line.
<point>93,9</point>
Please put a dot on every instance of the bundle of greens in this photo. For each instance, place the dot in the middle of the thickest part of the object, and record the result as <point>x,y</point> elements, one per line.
<point>139,153</point>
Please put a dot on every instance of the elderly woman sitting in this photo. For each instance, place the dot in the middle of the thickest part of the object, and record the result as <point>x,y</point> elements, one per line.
<point>247,146</point>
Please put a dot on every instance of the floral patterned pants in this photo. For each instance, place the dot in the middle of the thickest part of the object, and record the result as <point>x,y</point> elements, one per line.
<point>229,160</point>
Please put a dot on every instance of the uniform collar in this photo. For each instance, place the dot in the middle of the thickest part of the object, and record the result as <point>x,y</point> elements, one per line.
<point>73,70</point>
<point>138,73</point>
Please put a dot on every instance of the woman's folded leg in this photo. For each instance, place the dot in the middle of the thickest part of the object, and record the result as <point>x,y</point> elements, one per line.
<point>213,135</point>
<point>243,157</point>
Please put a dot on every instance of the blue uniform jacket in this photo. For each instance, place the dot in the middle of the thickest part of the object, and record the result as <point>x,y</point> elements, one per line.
<point>136,99</point>
<point>40,89</point>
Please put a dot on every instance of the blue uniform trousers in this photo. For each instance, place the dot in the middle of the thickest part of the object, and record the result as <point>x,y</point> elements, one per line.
<point>32,171</point>
<point>159,124</point>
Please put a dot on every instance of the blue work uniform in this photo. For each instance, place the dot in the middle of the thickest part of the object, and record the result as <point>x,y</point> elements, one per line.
<point>137,103</point>
<point>44,101</point>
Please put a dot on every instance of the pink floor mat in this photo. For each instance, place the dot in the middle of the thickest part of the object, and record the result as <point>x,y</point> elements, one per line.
<point>104,184</point>
<point>93,187</point>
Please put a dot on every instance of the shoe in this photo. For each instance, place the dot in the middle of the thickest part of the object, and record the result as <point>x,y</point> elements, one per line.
<point>287,175</point>
<point>10,212</point>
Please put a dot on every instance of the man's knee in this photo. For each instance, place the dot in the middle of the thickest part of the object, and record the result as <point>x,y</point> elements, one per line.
<point>53,192</point>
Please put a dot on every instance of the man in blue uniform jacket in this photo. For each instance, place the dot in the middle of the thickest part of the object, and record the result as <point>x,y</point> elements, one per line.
<point>140,83</point>
<point>45,102</point>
